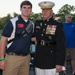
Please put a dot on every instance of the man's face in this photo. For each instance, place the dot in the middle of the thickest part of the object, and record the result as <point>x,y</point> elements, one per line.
<point>46,13</point>
<point>26,10</point>
<point>68,19</point>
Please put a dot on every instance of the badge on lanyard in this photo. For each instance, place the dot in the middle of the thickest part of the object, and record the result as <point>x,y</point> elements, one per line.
<point>41,24</point>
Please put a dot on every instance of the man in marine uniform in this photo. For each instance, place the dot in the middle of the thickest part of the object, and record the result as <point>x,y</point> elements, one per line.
<point>50,48</point>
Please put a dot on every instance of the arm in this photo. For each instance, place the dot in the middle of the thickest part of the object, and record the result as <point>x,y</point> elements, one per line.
<point>33,39</point>
<point>61,48</point>
<point>7,30</point>
<point>2,46</point>
<point>2,51</point>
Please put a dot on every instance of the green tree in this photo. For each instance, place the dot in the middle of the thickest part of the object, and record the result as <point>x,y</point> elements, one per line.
<point>15,14</point>
<point>73,18</point>
<point>36,16</point>
<point>4,20</point>
<point>65,9</point>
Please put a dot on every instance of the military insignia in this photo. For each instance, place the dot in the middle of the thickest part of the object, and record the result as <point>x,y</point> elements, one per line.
<point>38,27</point>
<point>51,29</point>
<point>41,24</point>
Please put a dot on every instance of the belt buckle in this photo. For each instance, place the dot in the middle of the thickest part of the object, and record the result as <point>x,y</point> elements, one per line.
<point>42,42</point>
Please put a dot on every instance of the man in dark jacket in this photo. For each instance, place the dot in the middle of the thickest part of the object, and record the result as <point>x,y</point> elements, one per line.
<point>50,48</point>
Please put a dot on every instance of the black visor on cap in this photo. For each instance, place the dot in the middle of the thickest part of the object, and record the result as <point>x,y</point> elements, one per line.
<point>46,8</point>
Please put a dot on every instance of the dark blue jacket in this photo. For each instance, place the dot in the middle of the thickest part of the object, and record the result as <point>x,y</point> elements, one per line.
<point>22,44</point>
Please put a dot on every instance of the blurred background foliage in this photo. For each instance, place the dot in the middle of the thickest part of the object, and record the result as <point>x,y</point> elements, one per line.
<point>65,9</point>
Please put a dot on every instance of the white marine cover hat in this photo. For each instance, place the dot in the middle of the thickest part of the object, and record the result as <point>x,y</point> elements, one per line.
<point>46,4</point>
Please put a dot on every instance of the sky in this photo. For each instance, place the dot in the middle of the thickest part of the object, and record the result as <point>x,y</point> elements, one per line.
<point>11,6</point>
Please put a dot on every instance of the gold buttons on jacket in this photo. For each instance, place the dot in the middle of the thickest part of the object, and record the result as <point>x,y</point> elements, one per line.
<point>41,34</point>
<point>47,20</point>
<point>51,51</point>
<point>43,29</point>
<point>45,24</point>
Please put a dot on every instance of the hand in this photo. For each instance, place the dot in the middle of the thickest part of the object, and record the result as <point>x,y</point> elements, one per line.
<point>2,64</point>
<point>58,68</point>
<point>33,39</point>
